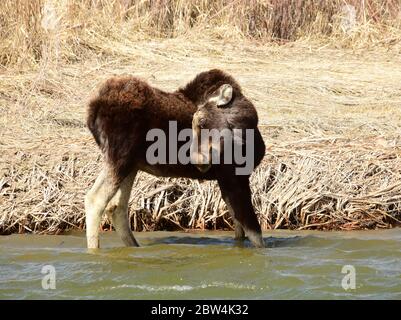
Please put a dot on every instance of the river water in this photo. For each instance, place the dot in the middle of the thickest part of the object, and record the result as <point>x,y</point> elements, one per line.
<point>204,265</point>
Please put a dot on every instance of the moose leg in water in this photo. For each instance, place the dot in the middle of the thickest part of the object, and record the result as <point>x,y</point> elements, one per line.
<point>236,193</point>
<point>96,201</point>
<point>117,211</point>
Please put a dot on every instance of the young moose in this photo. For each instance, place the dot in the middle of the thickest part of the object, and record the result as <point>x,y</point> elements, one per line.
<point>119,118</point>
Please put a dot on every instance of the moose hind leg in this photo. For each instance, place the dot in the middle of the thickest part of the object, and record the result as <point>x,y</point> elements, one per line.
<point>117,210</point>
<point>96,201</point>
<point>237,195</point>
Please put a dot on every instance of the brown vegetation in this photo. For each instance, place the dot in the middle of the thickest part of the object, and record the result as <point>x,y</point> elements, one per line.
<point>327,93</point>
<point>69,31</point>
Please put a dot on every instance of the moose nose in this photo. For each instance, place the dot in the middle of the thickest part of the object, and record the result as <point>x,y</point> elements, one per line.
<point>202,123</point>
<point>199,119</point>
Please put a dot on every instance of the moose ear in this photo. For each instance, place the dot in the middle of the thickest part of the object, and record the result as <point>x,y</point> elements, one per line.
<point>223,95</point>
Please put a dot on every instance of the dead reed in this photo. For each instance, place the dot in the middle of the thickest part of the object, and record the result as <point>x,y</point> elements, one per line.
<point>328,105</point>
<point>327,183</point>
<point>71,30</point>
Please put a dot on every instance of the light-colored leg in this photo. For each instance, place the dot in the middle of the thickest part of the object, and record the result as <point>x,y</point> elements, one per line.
<point>96,201</point>
<point>117,210</point>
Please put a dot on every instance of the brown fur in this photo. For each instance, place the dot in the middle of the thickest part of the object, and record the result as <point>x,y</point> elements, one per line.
<point>126,108</point>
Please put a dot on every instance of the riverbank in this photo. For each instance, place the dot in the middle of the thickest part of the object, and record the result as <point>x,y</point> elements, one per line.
<point>330,118</point>
<point>325,78</point>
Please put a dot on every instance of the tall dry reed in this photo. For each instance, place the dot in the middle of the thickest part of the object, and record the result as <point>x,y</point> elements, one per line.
<point>333,160</point>
<point>27,28</point>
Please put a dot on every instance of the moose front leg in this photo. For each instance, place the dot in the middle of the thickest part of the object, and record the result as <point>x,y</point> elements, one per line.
<point>239,231</point>
<point>236,193</point>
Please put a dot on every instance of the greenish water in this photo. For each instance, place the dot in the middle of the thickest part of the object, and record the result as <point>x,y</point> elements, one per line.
<point>206,265</point>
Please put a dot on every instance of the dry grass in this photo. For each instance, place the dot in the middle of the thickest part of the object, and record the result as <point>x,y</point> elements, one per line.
<point>328,105</point>
<point>69,31</point>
